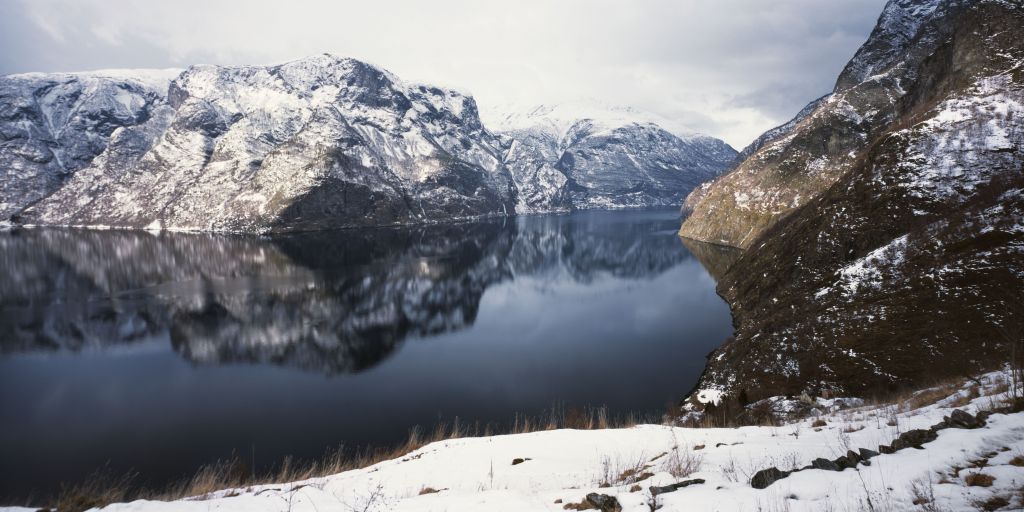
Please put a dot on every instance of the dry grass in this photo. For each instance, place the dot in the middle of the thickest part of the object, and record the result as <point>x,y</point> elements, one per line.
<point>104,487</point>
<point>98,489</point>
<point>979,480</point>
<point>993,503</point>
<point>682,462</point>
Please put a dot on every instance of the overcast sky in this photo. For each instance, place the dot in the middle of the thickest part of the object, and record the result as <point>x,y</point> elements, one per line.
<point>730,68</point>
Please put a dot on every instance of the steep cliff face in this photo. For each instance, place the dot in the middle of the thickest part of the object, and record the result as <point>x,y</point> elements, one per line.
<point>52,125</point>
<point>589,156</point>
<point>886,81</point>
<point>910,266</point>
<point>316,143</point>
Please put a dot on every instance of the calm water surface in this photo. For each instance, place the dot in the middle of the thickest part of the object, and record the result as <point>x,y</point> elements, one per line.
<point>159,353</point>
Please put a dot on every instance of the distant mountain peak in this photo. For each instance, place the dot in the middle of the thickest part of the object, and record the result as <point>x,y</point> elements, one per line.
<point>559,117</point>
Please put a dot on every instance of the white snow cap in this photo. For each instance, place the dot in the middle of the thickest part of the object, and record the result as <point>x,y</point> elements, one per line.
<point>559,117</point>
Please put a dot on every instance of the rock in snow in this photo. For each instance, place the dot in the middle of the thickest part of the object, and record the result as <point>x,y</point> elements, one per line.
<point>317,143</point>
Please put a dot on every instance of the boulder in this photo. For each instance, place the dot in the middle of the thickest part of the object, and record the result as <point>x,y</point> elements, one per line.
<point>962,419</point>
<point>766,477</point>
<point>853,457</point>
<point>604,503</point>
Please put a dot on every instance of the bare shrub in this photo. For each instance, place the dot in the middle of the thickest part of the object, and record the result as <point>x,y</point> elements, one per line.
<point>681,463</point>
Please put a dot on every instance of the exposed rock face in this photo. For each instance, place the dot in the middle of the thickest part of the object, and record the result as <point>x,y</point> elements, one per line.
<point>582,156</point>
<point>318,143</point>
<point>322,142</point>
<point>886,81</point>
<point>910,265</point>
<point>52,125</point>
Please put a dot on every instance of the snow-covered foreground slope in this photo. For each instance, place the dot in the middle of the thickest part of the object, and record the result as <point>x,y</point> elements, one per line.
<point>476,474</point>
<point>585,155</point>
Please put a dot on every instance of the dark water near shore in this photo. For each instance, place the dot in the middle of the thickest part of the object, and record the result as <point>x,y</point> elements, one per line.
<point>159,353</point>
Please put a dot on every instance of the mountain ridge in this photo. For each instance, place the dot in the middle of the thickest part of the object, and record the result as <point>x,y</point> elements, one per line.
<point>319,143</point>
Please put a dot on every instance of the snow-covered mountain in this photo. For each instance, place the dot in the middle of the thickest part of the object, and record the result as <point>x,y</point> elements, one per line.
<point>52,125</point>
<point>321,142</point>
<point>316,143</point>
<point>884,224</point>
<point>584,155</point>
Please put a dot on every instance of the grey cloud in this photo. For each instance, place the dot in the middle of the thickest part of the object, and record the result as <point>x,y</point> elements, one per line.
<point>730,68</point>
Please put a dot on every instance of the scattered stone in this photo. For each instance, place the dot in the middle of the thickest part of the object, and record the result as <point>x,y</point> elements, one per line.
<point>604,503</point>
<point>762,479</point>
<point>909,439</point>
<point>517,461</point>
<point>655,490</point>
<point>825,464</point>
<point>636,488</point>
<point>559,500</point>
<point>698,447</point>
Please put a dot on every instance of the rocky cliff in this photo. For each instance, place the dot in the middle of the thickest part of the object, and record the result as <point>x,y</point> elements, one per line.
<point>52,125</point>
<point>317,143</point>
<point>784,169</point>
<point>903,260</point>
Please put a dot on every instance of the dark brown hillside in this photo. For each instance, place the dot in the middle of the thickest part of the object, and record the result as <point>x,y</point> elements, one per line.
<point>911,266</point>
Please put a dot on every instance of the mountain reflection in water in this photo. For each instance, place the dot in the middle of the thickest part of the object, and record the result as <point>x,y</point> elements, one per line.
<point>329,302</point>
<point>162,352</point>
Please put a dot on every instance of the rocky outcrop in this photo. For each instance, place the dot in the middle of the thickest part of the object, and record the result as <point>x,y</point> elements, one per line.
<point>587,156</point>
<point>916,438</point>
<point>52,125</point>
<point>889,79</point>
<point>908,266</point>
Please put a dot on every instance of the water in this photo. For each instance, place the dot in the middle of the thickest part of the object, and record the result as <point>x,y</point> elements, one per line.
<point>159,353</point>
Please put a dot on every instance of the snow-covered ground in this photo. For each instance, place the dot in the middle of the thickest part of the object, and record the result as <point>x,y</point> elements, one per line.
<point>563,466</point>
